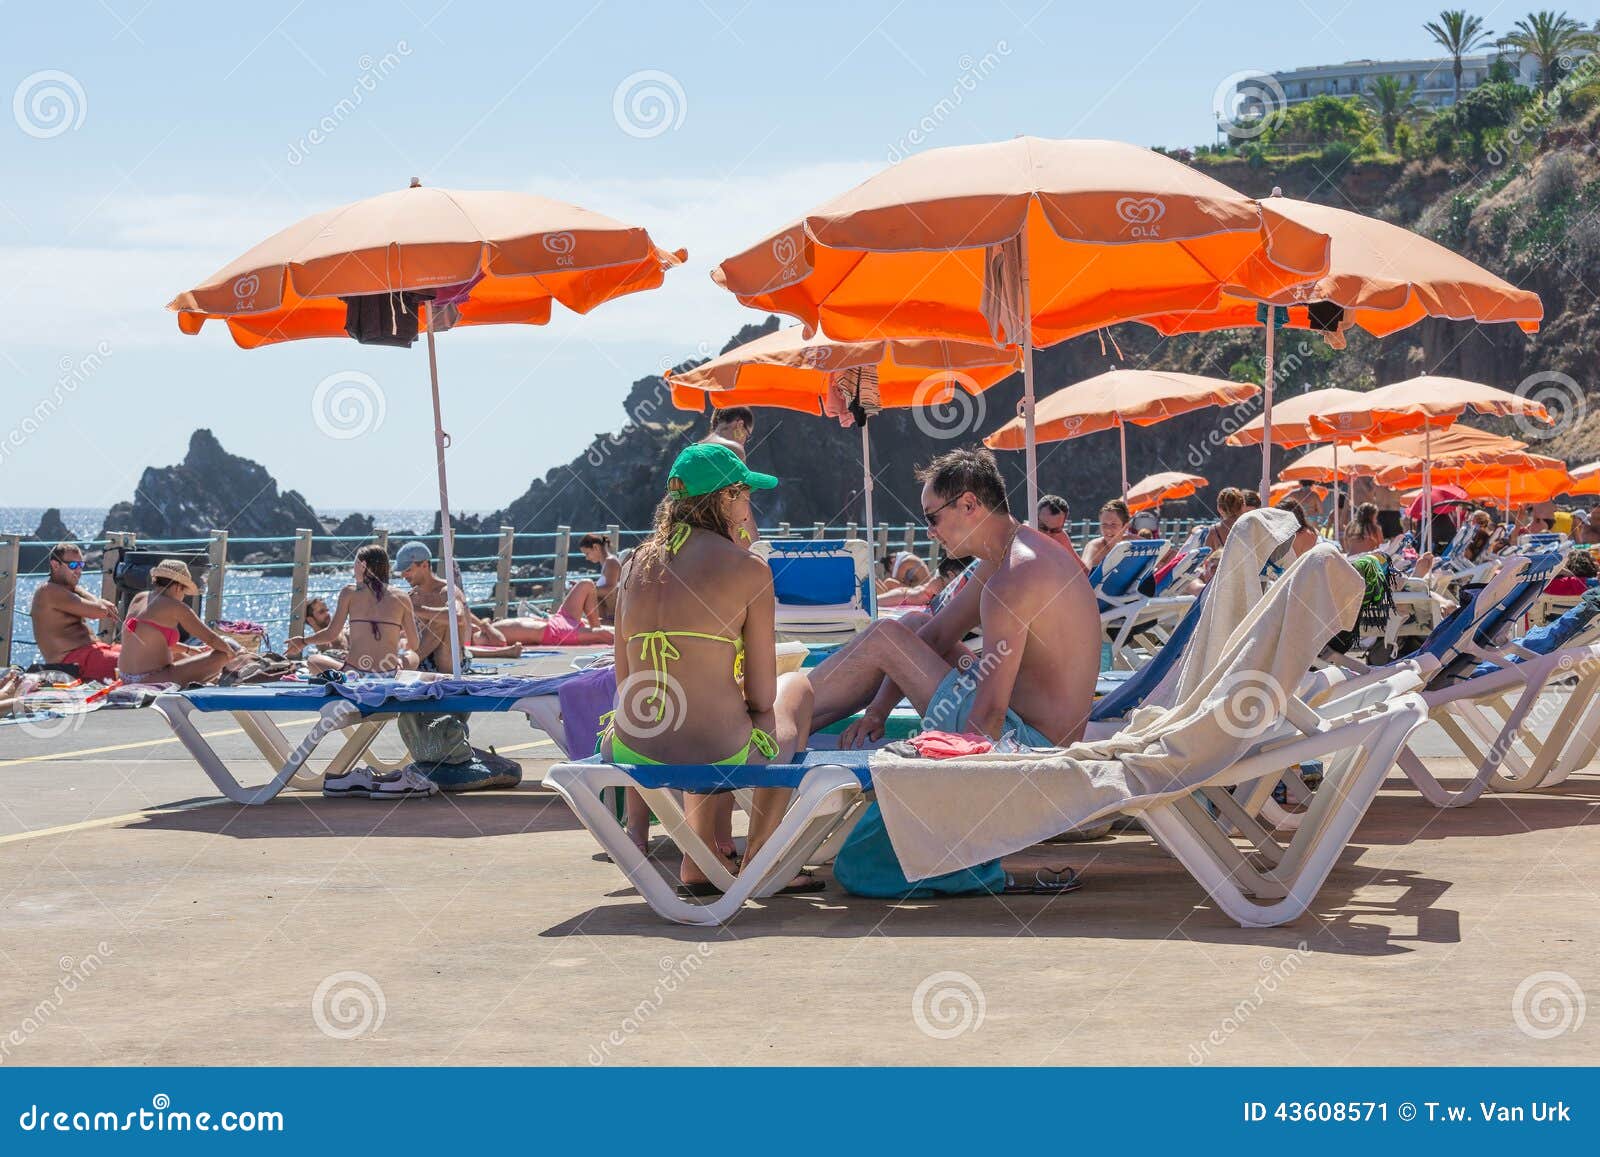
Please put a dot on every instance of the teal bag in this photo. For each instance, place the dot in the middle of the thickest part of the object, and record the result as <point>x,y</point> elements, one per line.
<point>867,866</point>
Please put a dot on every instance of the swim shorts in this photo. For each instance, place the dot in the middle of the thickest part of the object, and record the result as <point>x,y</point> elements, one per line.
<point>96,661</point>
<point>952,703</point>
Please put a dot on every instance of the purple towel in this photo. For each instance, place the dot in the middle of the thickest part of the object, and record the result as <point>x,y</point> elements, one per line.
<point>584,698</point>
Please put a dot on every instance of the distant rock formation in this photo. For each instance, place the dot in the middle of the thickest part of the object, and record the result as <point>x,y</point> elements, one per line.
<point>212,489</point>
<point>52,528</point>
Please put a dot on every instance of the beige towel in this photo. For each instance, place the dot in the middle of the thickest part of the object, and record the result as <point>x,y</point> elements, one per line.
<point>1001,303</point>
<point>949,814</point>
<point>1234,591</point>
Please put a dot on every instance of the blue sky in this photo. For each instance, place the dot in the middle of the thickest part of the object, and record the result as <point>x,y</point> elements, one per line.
<point>183,137</point>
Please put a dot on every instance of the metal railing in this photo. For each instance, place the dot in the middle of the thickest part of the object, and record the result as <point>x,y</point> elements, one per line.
<point>495,567</point>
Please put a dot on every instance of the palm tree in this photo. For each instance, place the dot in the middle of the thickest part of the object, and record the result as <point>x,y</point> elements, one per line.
<point>1548,37</point>
<point>1459,34</point>
<point>1392,103</point>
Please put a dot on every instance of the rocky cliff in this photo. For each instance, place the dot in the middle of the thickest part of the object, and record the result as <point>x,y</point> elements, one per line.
<point>211,489</point>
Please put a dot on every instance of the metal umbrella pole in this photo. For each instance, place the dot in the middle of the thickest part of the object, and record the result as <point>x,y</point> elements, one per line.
<point>446,535</point>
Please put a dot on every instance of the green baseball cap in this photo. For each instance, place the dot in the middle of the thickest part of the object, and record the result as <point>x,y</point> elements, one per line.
<point>706,467</point>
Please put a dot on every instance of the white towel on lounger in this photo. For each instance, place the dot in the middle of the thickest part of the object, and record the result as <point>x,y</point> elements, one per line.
<point>948,814</point>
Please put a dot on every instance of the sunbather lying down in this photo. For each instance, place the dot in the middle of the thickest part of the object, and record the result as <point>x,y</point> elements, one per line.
<point>576,623</point>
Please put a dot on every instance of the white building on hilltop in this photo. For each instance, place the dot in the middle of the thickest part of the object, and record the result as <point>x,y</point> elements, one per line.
<point>1434,79</point>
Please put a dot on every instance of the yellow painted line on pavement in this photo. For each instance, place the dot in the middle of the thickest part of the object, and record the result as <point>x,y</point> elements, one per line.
<point>112,821</point>
<point>135,746</point>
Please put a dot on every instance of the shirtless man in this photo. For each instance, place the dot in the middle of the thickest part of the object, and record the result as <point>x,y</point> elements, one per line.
<point>1040,628</point>
<point>60,613</point>
<point>596,550</point>
<point>1053,513</point>
<point>414,563</point>
<point>732,428</point>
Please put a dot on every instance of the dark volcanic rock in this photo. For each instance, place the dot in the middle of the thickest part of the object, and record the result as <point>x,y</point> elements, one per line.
<point>212,490</point>
<point>52,529</point>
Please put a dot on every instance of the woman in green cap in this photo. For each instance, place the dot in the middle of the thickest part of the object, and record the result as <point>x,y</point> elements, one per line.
<point>696,652</point>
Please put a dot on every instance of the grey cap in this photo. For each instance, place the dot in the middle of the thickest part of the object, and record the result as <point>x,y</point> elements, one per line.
<point>410,553</point>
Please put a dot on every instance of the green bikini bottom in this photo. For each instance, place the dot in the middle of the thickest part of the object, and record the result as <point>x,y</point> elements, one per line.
<point>759,739</point>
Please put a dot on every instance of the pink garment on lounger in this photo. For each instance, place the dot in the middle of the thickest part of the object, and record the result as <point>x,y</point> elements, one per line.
<point>559,630</point>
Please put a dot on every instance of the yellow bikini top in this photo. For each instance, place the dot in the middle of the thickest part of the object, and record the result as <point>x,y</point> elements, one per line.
<point>655,647</point>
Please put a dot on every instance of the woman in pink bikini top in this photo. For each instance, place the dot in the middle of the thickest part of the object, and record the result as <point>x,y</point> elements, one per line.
<point>151,648</point>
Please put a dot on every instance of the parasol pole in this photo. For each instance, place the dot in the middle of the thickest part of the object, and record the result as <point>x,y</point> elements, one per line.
<point>1030,445</point>
<point>1266,413</point>
<point>1428,488</point>
<point>1122,440</point>
<point>446,535</point>
<point>866,477</point>
<point>1336,490</point>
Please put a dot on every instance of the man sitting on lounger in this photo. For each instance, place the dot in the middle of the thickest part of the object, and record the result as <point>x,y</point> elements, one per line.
<point>1041,630</point>
<point>61,611</point>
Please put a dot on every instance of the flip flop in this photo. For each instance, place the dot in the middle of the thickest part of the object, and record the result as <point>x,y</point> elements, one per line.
<point>700,888</point>
<point>1044,882</point>
<point>806,884</point>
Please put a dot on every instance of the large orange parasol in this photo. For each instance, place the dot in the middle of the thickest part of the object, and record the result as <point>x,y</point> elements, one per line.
<point>1324,465</point>
<point>1381,278</point>
<point>1028,242</point>
<point>1151,492</point>
<point>1585,479</point>
<point>817,375</point>
<point>1426,403</point>
<point>1117,398</point>
<point>425,260</point>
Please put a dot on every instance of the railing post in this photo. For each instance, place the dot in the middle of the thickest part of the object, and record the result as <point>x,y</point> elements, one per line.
<point>218,575</point>
<point>381,537</point>
<point>108,581</point>
<point>502,572</point>
<point>883,543</point>
<point>299,583</point>
<point>819,531</point>
<point>10,559</point>
<point>851,530</point>
<point>614,533</point>
<point>558,582</point>
<point>911,538</point>
<point>783,530</point>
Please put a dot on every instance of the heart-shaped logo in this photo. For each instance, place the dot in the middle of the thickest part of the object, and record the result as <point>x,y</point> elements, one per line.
<point>1141,210</point>
<point>560,243</point>
<point>817,356</point>
<point>246,287</point>
<point>785,250</point>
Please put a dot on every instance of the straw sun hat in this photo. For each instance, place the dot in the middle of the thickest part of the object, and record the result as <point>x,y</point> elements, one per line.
<point>177,571</point>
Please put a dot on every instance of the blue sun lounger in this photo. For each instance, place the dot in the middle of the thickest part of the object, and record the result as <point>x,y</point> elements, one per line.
<point>255,707</point>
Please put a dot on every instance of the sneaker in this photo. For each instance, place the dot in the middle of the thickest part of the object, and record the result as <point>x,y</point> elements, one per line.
<point>402,784</point>
<point>355,783</point>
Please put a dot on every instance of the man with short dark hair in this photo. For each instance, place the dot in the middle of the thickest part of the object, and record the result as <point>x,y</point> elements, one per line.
<point>1053,514</point>
<point>732,428</point>
<point>60,612</point>
<point>1041,629</point>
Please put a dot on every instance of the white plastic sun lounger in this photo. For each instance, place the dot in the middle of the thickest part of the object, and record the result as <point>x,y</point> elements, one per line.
<point>254,707</point>
<point>1258,885</point>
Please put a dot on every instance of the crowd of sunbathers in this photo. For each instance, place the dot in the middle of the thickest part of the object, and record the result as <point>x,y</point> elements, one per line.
<point>371,627</point>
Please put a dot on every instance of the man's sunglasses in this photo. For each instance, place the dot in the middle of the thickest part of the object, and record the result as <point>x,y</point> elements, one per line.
<point>931,517</point>
<point>75,564</point>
